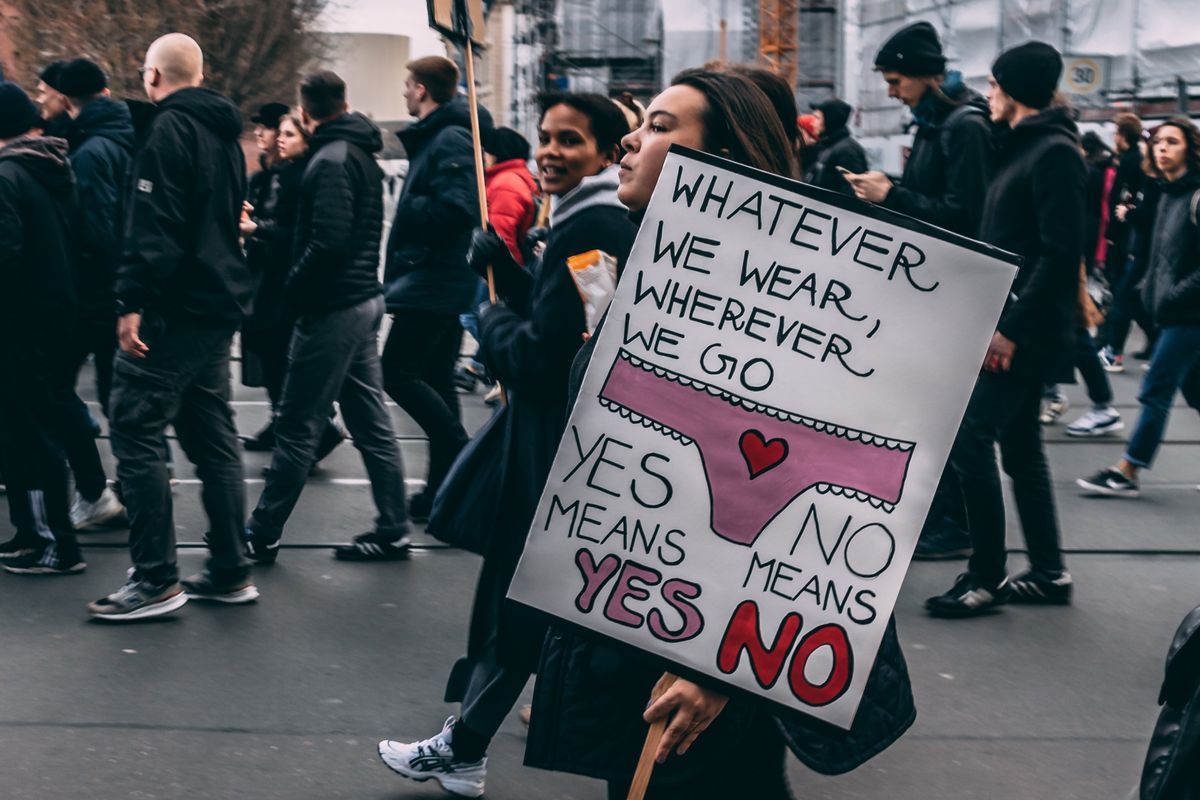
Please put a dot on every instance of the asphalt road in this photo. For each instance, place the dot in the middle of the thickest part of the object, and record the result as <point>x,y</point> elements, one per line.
<point>286,699</point>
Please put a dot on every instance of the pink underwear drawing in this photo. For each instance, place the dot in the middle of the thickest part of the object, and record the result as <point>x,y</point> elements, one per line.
<point>757,459</point>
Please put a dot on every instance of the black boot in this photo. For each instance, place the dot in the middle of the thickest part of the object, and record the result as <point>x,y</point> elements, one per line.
<point>261,442</point>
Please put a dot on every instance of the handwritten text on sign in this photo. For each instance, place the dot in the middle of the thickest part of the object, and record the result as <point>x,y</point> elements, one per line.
<point>764,420</point>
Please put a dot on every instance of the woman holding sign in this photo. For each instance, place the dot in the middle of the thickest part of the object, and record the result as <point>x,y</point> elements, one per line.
<point>590,703</point>
<point>527,344</point>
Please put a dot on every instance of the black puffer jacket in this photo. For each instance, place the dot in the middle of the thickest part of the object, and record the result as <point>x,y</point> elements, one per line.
<point>946,174</point>
<point>1172,768</point>
<point>182,250</point>
<point>1036,208</point>
<point>838,149</point>
<point>438,207</point>
<point>1171,290</point>
<point>340,218</point>
<point>37,189</point>
<point>102,143</point>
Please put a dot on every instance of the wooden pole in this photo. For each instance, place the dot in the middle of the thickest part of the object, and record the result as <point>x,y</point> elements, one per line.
<point>478,145</point>
<point>645,766</point>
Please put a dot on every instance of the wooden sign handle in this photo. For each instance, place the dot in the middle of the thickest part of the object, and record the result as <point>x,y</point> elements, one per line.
<point>645,766</point>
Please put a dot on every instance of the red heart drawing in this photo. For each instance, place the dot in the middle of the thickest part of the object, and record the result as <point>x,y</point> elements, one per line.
<point>761,455</point>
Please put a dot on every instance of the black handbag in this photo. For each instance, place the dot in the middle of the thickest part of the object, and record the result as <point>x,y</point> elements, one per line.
<point>466,506</point>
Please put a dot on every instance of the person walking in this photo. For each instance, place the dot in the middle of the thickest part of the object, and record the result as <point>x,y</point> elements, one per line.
<point>37,309</point>
<point>182,290</point>
<point>1034,208</point>
<point>839,151</point>
<point>1171,293</point>
<point>334,291</point>
<point>944,182</point>
<point>101,150</point>
<point>428,283</point>
<point>590,702</point>
<point>529,343</point>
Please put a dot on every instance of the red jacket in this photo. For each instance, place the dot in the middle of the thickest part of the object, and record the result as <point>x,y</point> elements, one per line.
<point>510,192</point>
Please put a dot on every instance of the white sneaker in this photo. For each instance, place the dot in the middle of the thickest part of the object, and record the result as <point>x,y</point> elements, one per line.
<point>105,509</point>
<point>1097,422</point>
<point>1054,408</point>
<point>434,758</point>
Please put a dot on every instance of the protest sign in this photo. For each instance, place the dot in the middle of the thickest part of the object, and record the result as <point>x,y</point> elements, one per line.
<point>769,406</point>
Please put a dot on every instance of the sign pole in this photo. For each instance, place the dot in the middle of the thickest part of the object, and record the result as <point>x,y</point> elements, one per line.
<point>645,766</point>
<point>476,143</point>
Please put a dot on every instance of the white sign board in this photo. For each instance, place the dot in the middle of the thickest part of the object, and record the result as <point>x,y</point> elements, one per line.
<point>758,437</point>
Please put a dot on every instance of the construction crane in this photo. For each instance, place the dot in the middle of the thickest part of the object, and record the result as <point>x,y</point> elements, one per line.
<point>778,24</point>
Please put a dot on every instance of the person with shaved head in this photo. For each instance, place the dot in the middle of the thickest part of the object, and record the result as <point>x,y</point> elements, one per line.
<point>182,290</point>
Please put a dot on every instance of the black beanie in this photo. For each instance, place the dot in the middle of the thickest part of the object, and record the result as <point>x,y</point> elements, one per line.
<point>18,114</point>
<point>1029,73</point>
<point>914,51</point>
<point>505,144</point>
<point>836,113</point>
<point>82,78</point>
<point>51,73</point>
<point>270,115</point>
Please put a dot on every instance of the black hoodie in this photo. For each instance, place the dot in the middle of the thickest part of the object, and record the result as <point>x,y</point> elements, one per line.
<point>102,143</point>
<point>438,207</point>
<point>946,174</point>
<point>182,252</point>
<point>37,297</point>
<point>1035,208</point>
<point>339,220</point>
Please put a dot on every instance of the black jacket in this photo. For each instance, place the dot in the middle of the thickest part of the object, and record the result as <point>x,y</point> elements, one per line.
<point>1172,768</point>
<point>37,189</point>
<point>838,149</point>
<point>437,210</point>
<point>1171,289</point>
<point>102,145</point>
<point>340,218</point>
<point>275,196</point>
<point>182,251</point>
<point>946,175</point>
<point>1036,208</point>
<point>529,345</point>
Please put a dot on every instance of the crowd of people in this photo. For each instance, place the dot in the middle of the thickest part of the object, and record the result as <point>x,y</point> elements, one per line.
<point>131,235</point>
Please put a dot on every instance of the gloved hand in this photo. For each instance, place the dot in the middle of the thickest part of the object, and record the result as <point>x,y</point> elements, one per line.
<point>487,248</point>
<point>535,237</point>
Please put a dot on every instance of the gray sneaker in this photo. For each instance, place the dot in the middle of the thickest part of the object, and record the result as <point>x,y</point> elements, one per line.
<point>105,510</point>
<point>138,600</point>
<point>1097,422</point>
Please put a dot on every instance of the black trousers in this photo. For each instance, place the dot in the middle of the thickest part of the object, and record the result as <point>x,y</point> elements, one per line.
<point>418,373</point>
<point>31,422</point>
<point>1004,409</point>
<point>270,347</point>
<point>184,381</point>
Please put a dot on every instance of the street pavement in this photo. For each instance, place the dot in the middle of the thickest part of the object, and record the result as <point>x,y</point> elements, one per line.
<point>287,698</point>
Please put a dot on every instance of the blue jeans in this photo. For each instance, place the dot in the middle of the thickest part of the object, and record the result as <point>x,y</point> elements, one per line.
<point>470,320</point>
<point>1172,367</point>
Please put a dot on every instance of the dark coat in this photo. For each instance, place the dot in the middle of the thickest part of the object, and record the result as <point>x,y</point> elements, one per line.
<point>529,345</point>
<point>437,210</point>
<point>838,149</point>
<point>183,253</point>
<point>37,259</point>
<point>946,175</point>
<point>1036,208</point>
<point>589,698</point>
<point>1172,768</point>
<point>339,220</point>
<point>1171,289</point>
<point>275,195</point>
<point>102,144</point>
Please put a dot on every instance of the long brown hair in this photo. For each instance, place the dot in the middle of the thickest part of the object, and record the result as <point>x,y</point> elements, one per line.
<point>740,122</point>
